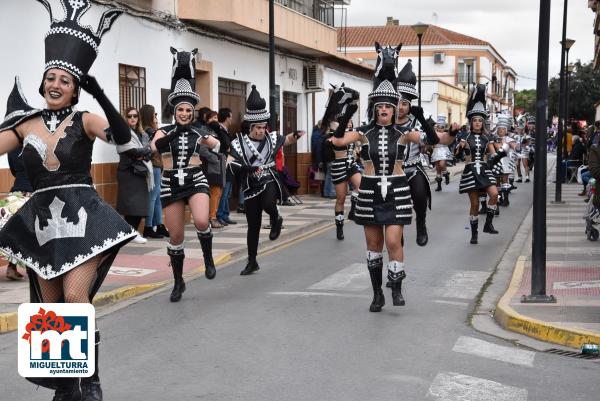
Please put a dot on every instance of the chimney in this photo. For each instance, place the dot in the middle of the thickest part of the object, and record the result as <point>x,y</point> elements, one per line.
<point>391,22</point>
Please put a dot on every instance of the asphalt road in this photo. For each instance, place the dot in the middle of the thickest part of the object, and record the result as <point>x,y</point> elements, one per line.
<point>300,329</point>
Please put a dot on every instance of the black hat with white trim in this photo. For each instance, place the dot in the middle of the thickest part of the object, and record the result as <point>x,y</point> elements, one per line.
<point>407,83</point>
<point>385,93</point>
<point>183,93</point>
<point>256,108</point>
<point>476,104</point>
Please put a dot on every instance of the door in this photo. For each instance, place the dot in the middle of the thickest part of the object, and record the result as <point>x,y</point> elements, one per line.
<point>290,119</point>
<point>232,94</point>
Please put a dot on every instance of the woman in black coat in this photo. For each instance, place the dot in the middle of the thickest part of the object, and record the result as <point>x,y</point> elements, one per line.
<point>132,177</point>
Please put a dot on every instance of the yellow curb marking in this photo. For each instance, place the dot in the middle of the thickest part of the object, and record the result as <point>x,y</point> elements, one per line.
<point>510,319</point>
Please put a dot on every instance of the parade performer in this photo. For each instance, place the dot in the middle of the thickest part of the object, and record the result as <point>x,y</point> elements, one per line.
<point>420,190</point>
<point>477,175</point>
<point>384,201</point>
<point>183,181</point>
<point>252,158</point>
<point>65,234</point>
<point>441,153</point>
<point>344,168</point>
<point>506,166</point>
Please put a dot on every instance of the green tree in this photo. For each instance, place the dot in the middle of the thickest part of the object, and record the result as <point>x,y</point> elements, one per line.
<point>525,99</point>
<point>584,92</point>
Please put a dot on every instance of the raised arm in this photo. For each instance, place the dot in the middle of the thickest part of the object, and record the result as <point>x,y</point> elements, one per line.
<point>348,138</point>
<point>293,137</point>
<point>9,141</point>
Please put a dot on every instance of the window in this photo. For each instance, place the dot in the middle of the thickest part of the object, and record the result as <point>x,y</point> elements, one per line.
<point>464,70</point>
<point>132,87</point>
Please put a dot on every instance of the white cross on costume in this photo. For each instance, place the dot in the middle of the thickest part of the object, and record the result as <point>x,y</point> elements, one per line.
<point>383,150</point>
<point>384,184</point>
<point>53,123</point>
<point>76,4</point>
<point>180,176</point>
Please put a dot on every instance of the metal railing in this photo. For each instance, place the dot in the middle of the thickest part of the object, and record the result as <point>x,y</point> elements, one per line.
<point>321,10</point>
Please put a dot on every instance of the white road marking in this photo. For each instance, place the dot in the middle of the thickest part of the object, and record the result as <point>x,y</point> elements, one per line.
<point>352,278</point>
<point>322,294</point>
<point>463,285</point>
<point>463,305</point>
<point>569,285</point>
<point>130,271</point>
<point>458,387</point>
<point>484,349</point>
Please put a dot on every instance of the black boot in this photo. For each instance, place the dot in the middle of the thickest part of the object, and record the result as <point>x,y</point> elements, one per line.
<point>339,225</point>
<point>162,230</point>
<point>500,201</point>
<point>352,206</point>
<point>67,389</point>
<point>505,200</point>
<point>474,229</point>
<point>177,256</point>
<point>150,233</point>
<point>511,181</point>
<point>276,225</point>
<point>422,237</point>
<point>90,386</point>
<point>488,227</point>
<point>438,180</point>
<point>375,271</point>
<point>446,177</point>
<point>484,208</point>
<point>206,243</point>
<point>251,267</point>
<point>395,277</point>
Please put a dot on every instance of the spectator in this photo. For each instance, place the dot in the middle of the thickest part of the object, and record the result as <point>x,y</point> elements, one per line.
<point>576,156</point>
<point>594,166</point>
<point>225,117</point>
<point>21,184</point>
<point>153,225</point>
<point>134,176</point>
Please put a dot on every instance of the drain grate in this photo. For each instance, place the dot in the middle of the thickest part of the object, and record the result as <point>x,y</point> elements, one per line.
<point>571,354</point>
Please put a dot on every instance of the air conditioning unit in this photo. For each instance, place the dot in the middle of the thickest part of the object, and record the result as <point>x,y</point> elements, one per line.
<point>438,58</point>
<point>313,77</point>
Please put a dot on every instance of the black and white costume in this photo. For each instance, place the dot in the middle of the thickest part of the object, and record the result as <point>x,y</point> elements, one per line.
<point>477,175</point>
<point>182,177</point>
<point>413,162</point>
<point>254,162</point>
<point>65,223</point>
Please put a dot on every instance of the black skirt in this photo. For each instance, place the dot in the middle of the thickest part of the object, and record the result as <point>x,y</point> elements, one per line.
<point>182,183</point>
<point>342,169</point>
<point>471,180</point>
<point>59,228</point>
<point>381,204</point>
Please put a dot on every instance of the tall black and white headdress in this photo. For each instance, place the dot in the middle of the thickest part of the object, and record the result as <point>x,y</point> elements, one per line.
<point>504,121</point>
<point>476,104</point>
<point>71,46</point>
<point>256,108</point>
<point>183,93</point>
<point>385,93</point>
<point>407,83</point>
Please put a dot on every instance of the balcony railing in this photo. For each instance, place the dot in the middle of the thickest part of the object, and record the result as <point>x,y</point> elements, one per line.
<point>321,10</point>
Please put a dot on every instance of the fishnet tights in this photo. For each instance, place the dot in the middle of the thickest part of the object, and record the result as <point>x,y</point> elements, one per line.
<point>376,236</point>
<point>74,285</point>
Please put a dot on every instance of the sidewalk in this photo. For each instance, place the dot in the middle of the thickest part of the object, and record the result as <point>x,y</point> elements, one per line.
<point>572,276</point>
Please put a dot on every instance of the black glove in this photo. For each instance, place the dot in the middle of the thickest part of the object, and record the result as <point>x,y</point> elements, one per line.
<point>432,137</point>
<point>249,169</point>
<point>119,128</point>
<point>496,157</point>
<point>344,119</point>
<point>144,153</point>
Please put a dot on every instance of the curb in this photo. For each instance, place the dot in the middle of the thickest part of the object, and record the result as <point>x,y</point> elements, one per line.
<point>511,320</point>
<point>8,321</point>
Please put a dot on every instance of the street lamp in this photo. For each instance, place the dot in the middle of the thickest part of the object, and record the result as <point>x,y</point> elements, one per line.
<point>469,64</point>
<point>569,69</point>
<point>419,29</point>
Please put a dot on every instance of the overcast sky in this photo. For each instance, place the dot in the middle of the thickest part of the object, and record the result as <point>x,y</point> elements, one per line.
<point>511,26</point>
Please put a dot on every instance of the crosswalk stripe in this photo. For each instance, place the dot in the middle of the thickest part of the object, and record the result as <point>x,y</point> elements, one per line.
<point>464,285</point>
<point>450,386</point>
<point>484,349</point>
<point>352,278</point>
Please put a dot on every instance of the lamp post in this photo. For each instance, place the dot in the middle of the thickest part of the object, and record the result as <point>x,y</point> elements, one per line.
<point>570,68</point>
<point>272,95</point>
<point>538,245</point>
<point>566,44</point>
<point>420,29</point>
<point>469,64</point>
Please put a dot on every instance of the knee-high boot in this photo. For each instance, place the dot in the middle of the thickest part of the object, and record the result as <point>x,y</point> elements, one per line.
<point>446,177</point>
<point>474,229</point>
<point>488,226</point>
<point>505,193</point>
<point>353,197</point>
<point>438,180</point>
<point>339,225</point>
<point>90,386</point>
<point>66,389</point>
<point>484,208</point>
<point>177,255</point>
<point>422,236</point>
<point>375,266</point>
<point>396,274</point>
<point>206,238</point>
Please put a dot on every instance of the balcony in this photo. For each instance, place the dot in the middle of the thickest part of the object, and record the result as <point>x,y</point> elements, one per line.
<point>300,31</point>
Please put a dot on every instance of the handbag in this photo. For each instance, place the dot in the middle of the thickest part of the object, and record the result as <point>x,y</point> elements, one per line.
<point>319,175</point>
